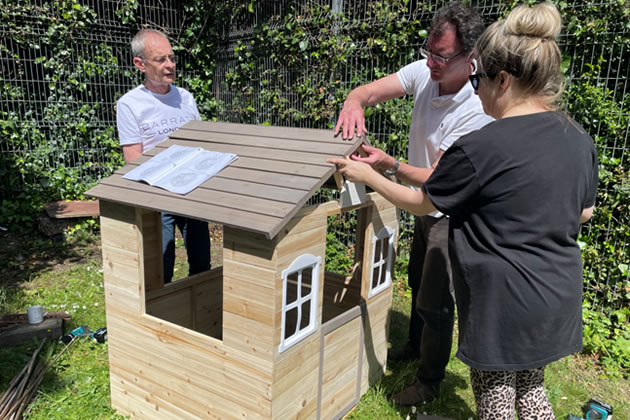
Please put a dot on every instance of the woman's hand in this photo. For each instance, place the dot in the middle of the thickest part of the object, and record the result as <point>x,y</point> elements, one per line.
<point>354,171</point>
<point>375,157</point>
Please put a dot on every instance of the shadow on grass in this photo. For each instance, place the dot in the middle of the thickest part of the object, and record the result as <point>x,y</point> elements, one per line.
<point>23,256</point>
<point>401,374</point>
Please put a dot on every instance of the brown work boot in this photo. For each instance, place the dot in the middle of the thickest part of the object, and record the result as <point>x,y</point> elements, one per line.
<point>417,393</point>
<point>403,354</point>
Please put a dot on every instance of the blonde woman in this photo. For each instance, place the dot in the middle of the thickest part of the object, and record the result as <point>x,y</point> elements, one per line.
<point>516,192</point>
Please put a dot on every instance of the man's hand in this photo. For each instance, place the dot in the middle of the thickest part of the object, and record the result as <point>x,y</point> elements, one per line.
<point>354,171</point>
<point>351,118</point>
<point>377,158</point>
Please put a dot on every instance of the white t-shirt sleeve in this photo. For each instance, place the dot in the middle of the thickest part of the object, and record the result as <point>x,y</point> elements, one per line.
<point>196,109</point>
<point>411,76</point>
<point>128,128</point>
<point>467,122</point>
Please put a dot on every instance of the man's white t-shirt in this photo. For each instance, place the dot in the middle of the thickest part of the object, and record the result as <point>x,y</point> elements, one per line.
<point>437,121</point>
<point>148,118</point>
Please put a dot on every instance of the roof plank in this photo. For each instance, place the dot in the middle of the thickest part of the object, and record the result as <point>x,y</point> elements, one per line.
<point>337,148</point>
<point>203,211</point>
<point>203,195</point>
<point>277,171</point>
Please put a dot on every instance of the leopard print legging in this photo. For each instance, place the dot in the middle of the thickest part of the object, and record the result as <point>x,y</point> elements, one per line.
<point>498,393</point>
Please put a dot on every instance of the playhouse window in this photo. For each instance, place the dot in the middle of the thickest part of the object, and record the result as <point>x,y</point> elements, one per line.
<point>383,253</point>
<point>299,299</point>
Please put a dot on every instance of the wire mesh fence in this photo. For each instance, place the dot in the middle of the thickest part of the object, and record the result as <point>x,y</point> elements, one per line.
<point>65,120</point>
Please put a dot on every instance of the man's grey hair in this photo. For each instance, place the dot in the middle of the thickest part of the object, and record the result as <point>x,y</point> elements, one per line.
<point>137,43</point>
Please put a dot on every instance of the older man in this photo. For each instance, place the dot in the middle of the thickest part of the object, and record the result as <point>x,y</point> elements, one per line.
<point>445,108</point>
<point>145,116</point>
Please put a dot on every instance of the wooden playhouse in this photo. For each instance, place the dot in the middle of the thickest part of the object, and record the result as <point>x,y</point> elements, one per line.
<point>271,333</point>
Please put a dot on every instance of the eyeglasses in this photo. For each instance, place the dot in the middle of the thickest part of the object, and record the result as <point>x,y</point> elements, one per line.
<point>162,60</point>
<point>474,79</point>
<point>438,58</point>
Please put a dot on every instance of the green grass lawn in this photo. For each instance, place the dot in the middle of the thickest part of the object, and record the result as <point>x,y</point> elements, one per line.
<point>77,386</point>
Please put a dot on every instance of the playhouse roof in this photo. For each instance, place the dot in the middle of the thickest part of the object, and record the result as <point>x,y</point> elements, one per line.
<point>278,169</point>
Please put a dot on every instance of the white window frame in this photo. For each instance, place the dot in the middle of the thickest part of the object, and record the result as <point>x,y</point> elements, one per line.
<point>386,236</point>
<point>297,266</point>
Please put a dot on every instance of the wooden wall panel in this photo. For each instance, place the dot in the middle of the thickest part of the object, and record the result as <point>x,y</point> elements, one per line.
<point>209,308</point>
<point>150,225</point>
<point>341,368</point>
<point>193,368</point>
<point>175,307</point>
<point>188,392</point>
<point>248,335</point>
<point>376,327</point>
<point>248,248</point>
<point>295,381</point>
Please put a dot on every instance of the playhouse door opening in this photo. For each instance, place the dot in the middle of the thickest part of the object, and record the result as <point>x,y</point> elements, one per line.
<point>344,262</point>
<point>196,301</point>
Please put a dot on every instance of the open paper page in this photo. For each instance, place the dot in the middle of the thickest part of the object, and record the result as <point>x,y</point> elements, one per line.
<point>181,169</point>
<point>162,163</point>
<point>196,170</point>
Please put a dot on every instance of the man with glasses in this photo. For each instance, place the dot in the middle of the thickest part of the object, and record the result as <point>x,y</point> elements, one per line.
<point>145,117</point>
<point>445,108</point>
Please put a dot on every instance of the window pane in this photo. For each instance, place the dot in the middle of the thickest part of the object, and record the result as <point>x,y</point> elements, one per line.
<point>290,323</point>
<point>375,276</point>
<point>306,314</point>
<point>292,281</point>
<point>383,274</point>
<point>307,281</point>
<point>377,251</point>
<point>385,248</point>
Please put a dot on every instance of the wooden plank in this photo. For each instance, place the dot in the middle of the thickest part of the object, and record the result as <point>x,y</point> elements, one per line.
<point>278,155</point>
<point>295,380</point>
<point>340,368</point>
<point>152,267</point>
<point>137,403</point>
<point>217,198</point>
<point>239,276</point>
<point>209,308</point>
<point>260,140</point>
<point>249,300</point>
<point>72,208</point>
<point>174,307</point>
<point>376,328</point>
<point>266,166</point>
<point>213,275</point>
<point>175,205</point>
<point>312,134</point>
<point>248,248</point>
<point>190,390</point>
<point>187,343</point>
<point>178,354</point>
<point>248,335</point>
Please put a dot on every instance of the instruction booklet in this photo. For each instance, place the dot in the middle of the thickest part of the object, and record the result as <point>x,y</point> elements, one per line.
<point>181,169</point>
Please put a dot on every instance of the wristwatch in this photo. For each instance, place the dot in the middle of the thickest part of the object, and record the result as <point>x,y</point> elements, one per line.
<point>394,169</point>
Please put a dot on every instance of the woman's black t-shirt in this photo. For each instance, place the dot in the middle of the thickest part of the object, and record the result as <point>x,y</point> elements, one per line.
<point>514,191</point>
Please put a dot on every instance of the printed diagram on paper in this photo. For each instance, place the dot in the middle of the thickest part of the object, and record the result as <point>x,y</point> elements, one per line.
<point>181,169</point>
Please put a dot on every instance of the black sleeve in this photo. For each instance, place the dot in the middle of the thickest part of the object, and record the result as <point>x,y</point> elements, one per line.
<point>592,188</point>
<point>453,182</point>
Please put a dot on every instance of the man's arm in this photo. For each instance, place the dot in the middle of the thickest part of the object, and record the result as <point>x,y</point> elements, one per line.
<point>586,215</point>
<point>415,202</point>
<point>411,175</point>
<point>351,116</point>
<point>132,151</point>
